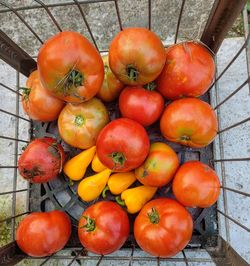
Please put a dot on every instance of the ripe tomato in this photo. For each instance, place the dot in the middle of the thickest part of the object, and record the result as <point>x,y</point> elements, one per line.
<point>122,145</point>
<point>41,161</point>
<point>163,227</point>
<point>142,105</point>
<point>41,234</point>
<point>196,185</point>
<point>190,122</point>
<point>159,167</point>
<point>189,71</point>
<point>38,104</point>
<point>111,85</point>
<point>103,227</point>
<point>79,125</point>
<point>70,67</point>
<point>136,56</point>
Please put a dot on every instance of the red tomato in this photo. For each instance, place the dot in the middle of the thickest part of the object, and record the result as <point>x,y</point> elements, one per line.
<point>163,227</point>
<point>190,122</point>
<point>111,85</point>
<point>159,167</point>
<point>41,234</point>
<point>122,145</point>
<point>70,67</point>
<point>196,185</point>
<point>103,227</point>
<point>38,104</point>
<point>41,161</point>
<point>142,105</point>
<point>189,71</point>
<point>136,56</point>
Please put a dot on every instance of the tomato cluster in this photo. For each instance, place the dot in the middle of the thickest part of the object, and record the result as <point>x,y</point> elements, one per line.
<point>142,74</point>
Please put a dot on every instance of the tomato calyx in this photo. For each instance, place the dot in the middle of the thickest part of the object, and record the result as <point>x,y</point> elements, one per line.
<point>33,172</point>
<point>154,216</point>
<point>132,73</point>
<point>79,120</point>
<point>120,201</point>
<point>185,138</point>
<point>118,158</point>
<point>26,93</point>
<point>90,225</point>
<point>151,86</point>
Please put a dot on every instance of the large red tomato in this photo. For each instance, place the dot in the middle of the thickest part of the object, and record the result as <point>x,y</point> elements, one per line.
<point>38,104</point>
<point>136,56</point>
<point>142,105</point>
<point>190,122</point>
<point>159,167</point>
<point>103,227</point>
<point>41,161</point>
<point>163,227</point>
<point>41,234</point>
<point>189,71</point>
<point>196,185</point>
<point>122,145</point>
<point>70,67</point>
<point>79,125</point>
<point>111,85</point>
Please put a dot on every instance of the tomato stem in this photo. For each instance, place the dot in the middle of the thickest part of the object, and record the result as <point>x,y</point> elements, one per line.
<point>185,138</point>
<point>118,158</point>
<point>90,225</point>
<point>104,192</point>
<point>132,73</point>
<point>154,216</point>
<point>75,78</point>
<point>151,86</point>
<point>120,201</point>
<point>79,120</point>
<point>26,92</point>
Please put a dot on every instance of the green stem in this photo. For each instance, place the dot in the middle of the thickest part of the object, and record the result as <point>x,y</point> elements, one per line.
<point>154,216</point>
<point>118,158</point>
<point>151,86</point>
<point>26,92</point>
<point>104,192</point>
<point>90,225</point>
<point>120,201</point>
<point>79,120</point>
<point>132,73</point>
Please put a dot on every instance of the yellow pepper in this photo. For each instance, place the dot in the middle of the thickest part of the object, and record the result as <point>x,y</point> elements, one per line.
<point>135,198</point>
<point>97,165</point>
<point>92,186</point>
<point>76,167</point>
<point>119,182</point>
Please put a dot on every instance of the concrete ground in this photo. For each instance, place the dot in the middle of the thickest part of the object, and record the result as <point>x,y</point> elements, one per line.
<point>102,21</point>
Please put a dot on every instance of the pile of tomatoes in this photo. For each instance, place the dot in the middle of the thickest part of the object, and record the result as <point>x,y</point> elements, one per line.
<point>71,85</point>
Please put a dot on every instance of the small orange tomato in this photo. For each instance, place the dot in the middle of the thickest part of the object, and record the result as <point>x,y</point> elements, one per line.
<point>159,167</point>
<point>196,185</point>
<point>111,85</point>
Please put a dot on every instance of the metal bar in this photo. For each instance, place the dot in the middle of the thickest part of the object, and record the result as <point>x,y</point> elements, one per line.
<point>233,220</point>
<point>236,191</point>
<point>10,254</point>
<point>10,89</point>
<point>16,57</point>
<point>76,256</point>
<point>53,5</point>
<point>8,166</point>
<point>234,125</point>
<point>18,116</point>
<point>49,13</point>
<point>9,138</point>
<point>158,261</point>
<point>179,21</point>
<point>23,21</point>
<point>185,258</point>
<point>149,14</point>
<point>233,93</point>
<point>231,160</point>
<point>118,14</point>
<point>220,21</point>
<point>46,260</point>
<point>86,23</point>
<point>99,261</point>
<point>131,255</point>
<point>13,191</point>
<point>12,217</point>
